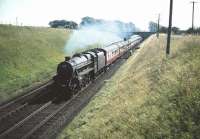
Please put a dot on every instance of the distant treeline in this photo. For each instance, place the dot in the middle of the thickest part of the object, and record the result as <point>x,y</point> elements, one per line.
<point>153,27</point>
<point>118,25</point>
<point>193,31</point>
<point>88,21</point>
<point>120,28</point>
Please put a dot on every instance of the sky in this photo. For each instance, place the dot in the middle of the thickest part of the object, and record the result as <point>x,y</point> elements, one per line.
<point>140,12</point>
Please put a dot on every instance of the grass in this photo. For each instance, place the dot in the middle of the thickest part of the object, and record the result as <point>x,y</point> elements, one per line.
<point>150,97</point>
<point>28,55</point>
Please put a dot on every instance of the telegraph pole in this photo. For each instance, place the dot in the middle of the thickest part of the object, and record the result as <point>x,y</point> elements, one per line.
<point>193,15</point>
<point>16,21</point>
<point>158,27</point>
<point>169,28</point>
<point>193,4</point>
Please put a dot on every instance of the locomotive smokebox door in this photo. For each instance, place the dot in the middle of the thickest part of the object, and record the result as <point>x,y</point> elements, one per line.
<point>65,70</point>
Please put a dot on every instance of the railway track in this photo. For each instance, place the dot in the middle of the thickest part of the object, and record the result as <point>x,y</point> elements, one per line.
<point>29,117</point>
<point>19,108</point>
<point>27,124</point>
<point>20,102</point>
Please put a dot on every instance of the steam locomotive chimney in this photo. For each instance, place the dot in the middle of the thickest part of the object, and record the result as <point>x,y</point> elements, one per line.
<point>67,58</point>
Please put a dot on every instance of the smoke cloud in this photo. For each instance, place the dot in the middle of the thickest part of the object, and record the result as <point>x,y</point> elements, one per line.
<point>102,33</point>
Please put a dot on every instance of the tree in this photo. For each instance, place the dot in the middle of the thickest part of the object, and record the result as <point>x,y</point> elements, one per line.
<point>175,30</point>
<point>163,29</point>
<point>63,24</point>
<point>153,27</point>
<point>86,21</point>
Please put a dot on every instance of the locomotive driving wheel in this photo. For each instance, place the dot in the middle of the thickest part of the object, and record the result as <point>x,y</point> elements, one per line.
<point>74,85</point>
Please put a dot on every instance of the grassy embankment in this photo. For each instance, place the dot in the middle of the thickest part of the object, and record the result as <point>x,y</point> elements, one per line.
<point>151,96</point>
<point>28,55</point>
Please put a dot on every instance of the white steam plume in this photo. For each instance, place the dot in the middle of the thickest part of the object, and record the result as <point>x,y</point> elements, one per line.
<point>102,34</point>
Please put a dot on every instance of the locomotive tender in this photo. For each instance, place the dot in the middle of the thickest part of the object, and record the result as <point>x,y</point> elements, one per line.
<point>76,72</point>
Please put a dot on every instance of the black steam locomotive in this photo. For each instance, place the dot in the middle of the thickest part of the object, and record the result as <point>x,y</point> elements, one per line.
<point>76,72</point>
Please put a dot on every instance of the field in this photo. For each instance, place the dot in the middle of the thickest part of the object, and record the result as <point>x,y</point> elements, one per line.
<point>28,55</point>
<point>151,96</point>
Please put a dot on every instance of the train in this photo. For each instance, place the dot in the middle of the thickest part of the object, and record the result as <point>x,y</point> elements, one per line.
<point>78,71</point>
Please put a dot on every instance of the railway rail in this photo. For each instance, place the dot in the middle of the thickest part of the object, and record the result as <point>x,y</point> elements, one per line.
<point>22,122</point>
<point>17,109</point>
<point>16,104</point>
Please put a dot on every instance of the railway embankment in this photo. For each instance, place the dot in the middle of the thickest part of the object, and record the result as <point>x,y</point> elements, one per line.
<point>150,96</point>
<point>28,55</point>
